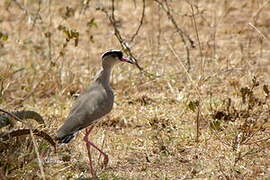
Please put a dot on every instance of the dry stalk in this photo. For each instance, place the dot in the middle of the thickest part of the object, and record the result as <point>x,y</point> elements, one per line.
<point>45,74</point>
<point>102,146</point>
<point>85,6</point>
<point>20,6</point>
<point>37,14</point>
<point>124,44</point>
<point>121,40</point>
<point>181,33</point>
<point>256,15</point>
<point>141,22</point>
<point>182,65</point>
<point>198,123</point>
<point>38,156</point>
<point>197,36</point>
<point>258,31</point>
<point>49,27</point>
<point>194,85</point>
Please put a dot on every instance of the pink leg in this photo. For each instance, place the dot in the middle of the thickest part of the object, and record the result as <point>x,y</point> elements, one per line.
<point>89,143</point>
<point>91,169</point>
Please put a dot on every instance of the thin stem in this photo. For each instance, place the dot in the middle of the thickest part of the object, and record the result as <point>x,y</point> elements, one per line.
<point>141,22</point>
<point>181,33</point>
<point>198,39</point>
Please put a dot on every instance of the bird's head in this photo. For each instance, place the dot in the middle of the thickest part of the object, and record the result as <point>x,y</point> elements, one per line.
<point>111,57</point>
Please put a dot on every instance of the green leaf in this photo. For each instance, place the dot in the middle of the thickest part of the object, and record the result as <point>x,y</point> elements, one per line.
<point>48,34</point>
<point>91,23</point>
<point>192,105</point>
<point>3,36</point>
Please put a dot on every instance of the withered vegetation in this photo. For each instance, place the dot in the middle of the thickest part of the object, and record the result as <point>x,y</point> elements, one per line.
<point>197,106</point>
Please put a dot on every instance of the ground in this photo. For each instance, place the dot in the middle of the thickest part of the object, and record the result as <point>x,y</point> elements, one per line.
<point>199,111</point>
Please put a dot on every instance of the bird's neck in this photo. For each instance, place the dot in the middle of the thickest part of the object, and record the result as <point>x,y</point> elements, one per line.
<point>103,76</point>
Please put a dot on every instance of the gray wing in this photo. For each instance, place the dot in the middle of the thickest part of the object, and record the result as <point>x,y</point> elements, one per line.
<point>88,108</point>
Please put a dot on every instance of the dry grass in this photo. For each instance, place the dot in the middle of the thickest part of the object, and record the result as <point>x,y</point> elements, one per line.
<point>151,132</point>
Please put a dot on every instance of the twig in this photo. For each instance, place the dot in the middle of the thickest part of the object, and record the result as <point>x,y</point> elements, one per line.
<point>20,6</point>
<point>37,16</point>
<point>261,33</point>
<point>49,28</point>
<point>85,6</point>
<point>38,156</point>
<point>141,22</point>
<point>135,3</point>
<point>255,15</point>
<point>198,123</point>
<point>181,63</point>
<point>199,116</point>
<point>181,33</point>
<point>257,141</point>
<point>159,29</point>
<point>198,38</point>
<point>222,171</point>
<point>123,43</point>
<point>103,142</point>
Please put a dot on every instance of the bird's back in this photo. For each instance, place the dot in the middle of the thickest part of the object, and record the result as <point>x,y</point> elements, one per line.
<point>89,107</point>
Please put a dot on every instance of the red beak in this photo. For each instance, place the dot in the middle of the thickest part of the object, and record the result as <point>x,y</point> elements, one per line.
<point>127,60</point>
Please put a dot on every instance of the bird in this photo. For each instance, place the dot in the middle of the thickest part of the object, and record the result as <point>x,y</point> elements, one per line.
<point>91,105</point>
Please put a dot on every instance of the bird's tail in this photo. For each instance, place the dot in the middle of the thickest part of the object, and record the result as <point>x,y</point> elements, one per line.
<point>65,139</point>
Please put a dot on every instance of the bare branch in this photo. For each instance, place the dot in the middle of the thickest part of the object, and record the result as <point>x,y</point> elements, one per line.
<point>197,36</point>
<point>20,6</point>
<point>182,34</point>
<point>141,22</point>
<point>123,43</point>
<point>125,46</point>
<point>37,14</point>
